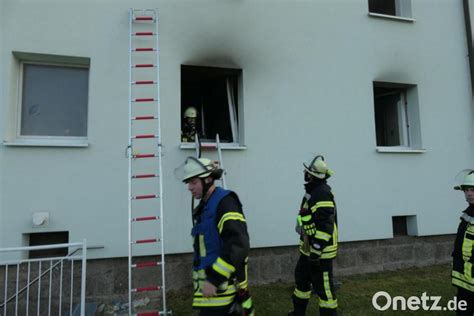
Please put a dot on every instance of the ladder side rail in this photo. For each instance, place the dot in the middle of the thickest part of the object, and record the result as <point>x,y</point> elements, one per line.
<point>221,161</point>
<point>160,163</point>
<point>129,156</point>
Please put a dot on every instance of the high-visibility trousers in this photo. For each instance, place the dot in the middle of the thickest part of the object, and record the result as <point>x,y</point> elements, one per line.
<point>319,277</point>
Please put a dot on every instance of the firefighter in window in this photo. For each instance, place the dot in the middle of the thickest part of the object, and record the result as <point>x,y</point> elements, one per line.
<point>188,132</point>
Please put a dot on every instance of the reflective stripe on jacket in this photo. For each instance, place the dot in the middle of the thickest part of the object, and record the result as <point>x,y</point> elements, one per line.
<point>207,251</point>
<point>463,259</point>
<point>319,200</point>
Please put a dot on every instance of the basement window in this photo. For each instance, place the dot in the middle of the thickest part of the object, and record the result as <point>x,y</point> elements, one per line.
<point>399,226</point>
<point>390,8</point>
<point>42,239</point>
<point>406,225</point>
<point>214,94</point>
<point>397,123</point>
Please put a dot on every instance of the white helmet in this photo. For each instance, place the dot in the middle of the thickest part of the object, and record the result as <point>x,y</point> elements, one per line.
<point>202,168</point>
<point>318,168</point>
<point>190,112</point>
<point>467,179</point>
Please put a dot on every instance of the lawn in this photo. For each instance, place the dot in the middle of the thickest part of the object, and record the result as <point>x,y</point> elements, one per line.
<point>354,295</point>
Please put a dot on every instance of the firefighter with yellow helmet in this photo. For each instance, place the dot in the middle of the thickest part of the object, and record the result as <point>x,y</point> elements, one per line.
<point>188,131</point>
<point>462,275</point>
<point>316,224</point>
<point>221,243</point>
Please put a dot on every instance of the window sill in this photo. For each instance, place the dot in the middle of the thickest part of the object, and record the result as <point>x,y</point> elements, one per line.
<point>224,146</point>
<point>391,17</point>
<point>401,150</point>
<point>46,143</point>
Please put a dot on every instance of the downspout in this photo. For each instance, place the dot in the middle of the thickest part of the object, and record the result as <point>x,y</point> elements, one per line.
<point>467,22</point>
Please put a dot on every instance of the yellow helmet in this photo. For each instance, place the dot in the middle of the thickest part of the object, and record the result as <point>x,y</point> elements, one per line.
<point>201,168</point>
<point>190,112</point>
<point>318,168</point>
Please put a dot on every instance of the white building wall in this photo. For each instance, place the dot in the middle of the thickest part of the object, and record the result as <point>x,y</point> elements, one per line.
<point>308,68</point>
<point>2,86</point>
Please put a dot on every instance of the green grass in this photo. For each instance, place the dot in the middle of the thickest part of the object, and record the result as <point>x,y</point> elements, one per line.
<point>354,295</point>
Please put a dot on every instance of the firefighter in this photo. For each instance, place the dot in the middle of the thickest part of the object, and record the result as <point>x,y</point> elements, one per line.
<point>463,257</point>
<point>316,224</point>
<point>188,132</point>
<point>221,243</point>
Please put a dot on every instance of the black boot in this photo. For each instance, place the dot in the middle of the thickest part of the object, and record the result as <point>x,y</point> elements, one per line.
<point>327,312</point>
<point>299,307</point>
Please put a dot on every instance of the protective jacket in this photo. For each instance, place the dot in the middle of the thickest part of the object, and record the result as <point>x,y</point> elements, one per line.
<point>319,210</point>
<point>463,258</point>
<point>221,245</point>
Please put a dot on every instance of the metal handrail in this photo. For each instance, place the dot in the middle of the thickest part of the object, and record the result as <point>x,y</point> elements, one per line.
<point>68,257</point>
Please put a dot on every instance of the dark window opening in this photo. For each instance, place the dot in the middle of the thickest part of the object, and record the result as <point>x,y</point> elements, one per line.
<point>41,239</point>
<point>391,120</point>
<point>399,225</point>
<point>213,92</point>
<point>387,7</point>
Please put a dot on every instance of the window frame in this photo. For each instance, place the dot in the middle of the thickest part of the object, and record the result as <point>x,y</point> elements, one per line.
<point>408,117</point>
<point>403,11</point>
<point>235,109</point>
<point>16,138</point>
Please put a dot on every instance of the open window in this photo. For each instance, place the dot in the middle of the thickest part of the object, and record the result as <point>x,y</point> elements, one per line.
<point>396,111</point>
<point>399,8</point>
<point>213,93</point>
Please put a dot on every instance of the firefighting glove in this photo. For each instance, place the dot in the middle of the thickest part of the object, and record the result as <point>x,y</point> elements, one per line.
<point>307,222</point>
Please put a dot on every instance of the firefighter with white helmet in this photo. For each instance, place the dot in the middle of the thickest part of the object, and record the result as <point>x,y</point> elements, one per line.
<point>221,243</point>
<point>316,224</point>
<point>462,275</point>
<point>188,132</point>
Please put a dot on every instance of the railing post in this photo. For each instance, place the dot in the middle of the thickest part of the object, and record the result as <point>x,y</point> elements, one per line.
<point>83,277</point>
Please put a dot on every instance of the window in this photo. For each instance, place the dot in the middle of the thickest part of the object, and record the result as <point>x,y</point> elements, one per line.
<point>400,8</point>
<point>213,92</point>
<point>52,99</point>
<point>404,225</point>
<point>396,115</point>
<point>41,239</point>
<point>399,226</point>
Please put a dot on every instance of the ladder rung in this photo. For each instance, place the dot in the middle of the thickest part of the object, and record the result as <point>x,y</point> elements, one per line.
<point>141,176</point>
<point>146,241</point>
<point>146,264</point>
<point>144,136</point>
<point>145,156</point>
<point>146,218</point>
<point>144,66</point>
<point>144,34</point>
<point>143,197</point>
<point>144,82</point>
<point>144,100</point>
<point>148,314</point>
<point>144,18</point>
<point>144,49</point>
<point>150,117</point>
<point>147,289</point>
<point>208,145</point>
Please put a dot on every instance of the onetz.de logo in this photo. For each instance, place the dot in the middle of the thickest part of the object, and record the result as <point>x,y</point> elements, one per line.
<point>383,301</point>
